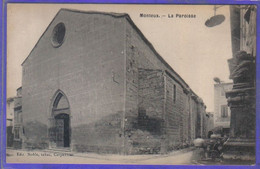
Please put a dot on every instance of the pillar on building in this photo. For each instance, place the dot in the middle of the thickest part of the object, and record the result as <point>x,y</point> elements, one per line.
<point>241,100</point>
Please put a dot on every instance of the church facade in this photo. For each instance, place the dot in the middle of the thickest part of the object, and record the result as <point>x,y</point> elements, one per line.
<point>94,83</point>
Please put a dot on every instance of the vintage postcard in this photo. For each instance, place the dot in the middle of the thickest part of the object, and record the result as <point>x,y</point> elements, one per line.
<point>131,84</point>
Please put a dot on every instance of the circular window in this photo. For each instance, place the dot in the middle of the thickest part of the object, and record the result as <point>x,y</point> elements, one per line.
<point>58,35</point>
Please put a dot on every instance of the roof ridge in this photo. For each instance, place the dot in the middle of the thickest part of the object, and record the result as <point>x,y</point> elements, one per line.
<point>95,12</point>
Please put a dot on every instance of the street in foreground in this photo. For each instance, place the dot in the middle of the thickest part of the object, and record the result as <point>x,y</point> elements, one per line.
<point>181,157</point>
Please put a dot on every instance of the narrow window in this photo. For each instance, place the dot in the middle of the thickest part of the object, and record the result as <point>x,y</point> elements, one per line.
<point>174,93</point>
<point>224,111</point>
<point>20,120</point>
<point>16,133</point>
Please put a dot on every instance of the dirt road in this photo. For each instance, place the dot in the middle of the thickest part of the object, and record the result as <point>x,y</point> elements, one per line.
<point>175,158</point>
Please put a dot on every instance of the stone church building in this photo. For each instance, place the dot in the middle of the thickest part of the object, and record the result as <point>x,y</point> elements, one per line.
<point>94,83</point>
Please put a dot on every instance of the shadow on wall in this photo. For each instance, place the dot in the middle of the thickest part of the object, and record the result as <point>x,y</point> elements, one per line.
<point>146,123</point>
<point>144,134</point>
<point>141,136</point>
<point>101,136</point>
<point>36,135</point>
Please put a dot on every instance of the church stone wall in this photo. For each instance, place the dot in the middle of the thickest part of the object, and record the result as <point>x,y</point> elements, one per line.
<point>89,69</point>
<point>138,58</point>
<point>174,113</point>
<point>177,117</point>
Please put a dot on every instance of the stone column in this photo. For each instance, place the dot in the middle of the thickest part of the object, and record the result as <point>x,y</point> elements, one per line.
<point>241,100</point>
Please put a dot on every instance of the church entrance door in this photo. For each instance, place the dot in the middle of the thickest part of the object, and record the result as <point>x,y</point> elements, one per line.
<point>62,130</point>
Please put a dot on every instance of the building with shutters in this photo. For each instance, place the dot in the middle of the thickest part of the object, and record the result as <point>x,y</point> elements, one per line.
<point>18,120</point>
<point>94,83</point>
<point>221,109</point>
<point>14,129</point>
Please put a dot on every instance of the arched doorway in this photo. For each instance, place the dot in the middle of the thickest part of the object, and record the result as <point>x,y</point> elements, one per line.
<point>60,121</point>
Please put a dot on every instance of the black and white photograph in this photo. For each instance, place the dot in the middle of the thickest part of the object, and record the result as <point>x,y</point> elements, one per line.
<point>131,84</point>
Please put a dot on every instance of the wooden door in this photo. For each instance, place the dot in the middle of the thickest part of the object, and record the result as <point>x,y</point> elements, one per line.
<point>60,132</point>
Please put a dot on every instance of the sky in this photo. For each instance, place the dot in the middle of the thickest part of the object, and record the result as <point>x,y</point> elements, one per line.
<point>196,52</point>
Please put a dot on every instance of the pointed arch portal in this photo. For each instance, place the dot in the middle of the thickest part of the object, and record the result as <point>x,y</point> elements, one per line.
<point>60,121</point>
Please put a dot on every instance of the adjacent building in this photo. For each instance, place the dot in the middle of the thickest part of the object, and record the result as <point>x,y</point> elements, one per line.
<point>94,83</point>
<point>209,123</point>
<point>18,119</point>
<point>9,121</point>
<point>242,97</point>
<point>14,127</point>
<point>221,109</point>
